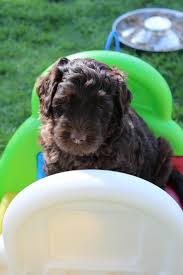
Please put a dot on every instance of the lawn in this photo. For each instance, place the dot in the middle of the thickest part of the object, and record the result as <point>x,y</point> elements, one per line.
<point>34,34</point>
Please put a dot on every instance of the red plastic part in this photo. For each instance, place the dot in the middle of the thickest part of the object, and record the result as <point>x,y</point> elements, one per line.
<point>178,165</point>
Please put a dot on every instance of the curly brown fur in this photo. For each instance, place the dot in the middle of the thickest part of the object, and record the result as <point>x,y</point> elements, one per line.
<point>87,123</point>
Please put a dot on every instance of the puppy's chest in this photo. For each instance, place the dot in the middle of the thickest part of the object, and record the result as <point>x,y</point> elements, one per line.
<point>96,161</point>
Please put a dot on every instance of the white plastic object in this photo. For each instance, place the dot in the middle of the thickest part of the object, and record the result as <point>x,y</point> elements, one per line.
<point>93,222</point>
<point>3,259</point>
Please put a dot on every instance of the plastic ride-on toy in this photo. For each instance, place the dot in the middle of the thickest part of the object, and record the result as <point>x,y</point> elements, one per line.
<point>92,221</point>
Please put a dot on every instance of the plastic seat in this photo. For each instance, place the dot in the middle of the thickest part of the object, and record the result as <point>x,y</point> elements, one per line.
<point>93,222</point>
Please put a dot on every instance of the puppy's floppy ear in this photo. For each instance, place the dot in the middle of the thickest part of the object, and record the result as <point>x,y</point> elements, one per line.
<point>122,95</point>
<point>125,97</point>
<point>46,86</point>
<point>61,65</point>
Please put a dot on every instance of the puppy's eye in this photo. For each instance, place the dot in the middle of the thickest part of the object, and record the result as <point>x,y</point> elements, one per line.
<point>59,106</point>
<point>60,101</point>
<point>58,110</point>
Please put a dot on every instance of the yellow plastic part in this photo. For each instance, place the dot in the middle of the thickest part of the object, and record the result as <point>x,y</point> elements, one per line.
<point>7,198</point>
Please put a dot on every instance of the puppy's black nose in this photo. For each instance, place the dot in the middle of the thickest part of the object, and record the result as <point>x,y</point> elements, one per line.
<point>78,138</point>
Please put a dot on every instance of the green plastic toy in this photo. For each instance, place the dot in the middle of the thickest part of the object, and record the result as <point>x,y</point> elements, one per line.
<point>151,99</point>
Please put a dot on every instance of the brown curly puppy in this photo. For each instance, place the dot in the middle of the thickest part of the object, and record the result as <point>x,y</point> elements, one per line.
<point>87,123</point>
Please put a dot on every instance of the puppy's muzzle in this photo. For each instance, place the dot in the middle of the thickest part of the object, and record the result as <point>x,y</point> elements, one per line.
<point>78,138</point>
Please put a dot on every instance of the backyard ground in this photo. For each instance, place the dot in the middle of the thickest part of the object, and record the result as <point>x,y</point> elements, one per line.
<point>33,34</point>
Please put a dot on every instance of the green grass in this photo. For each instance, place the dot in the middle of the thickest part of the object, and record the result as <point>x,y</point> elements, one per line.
<point>34,34</point>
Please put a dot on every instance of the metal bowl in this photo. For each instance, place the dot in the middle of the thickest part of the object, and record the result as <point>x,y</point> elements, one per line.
<point>151,29</point>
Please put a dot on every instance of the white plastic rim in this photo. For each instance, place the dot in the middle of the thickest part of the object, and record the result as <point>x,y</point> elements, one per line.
<point>3,260</point>
<point>90,185</point>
